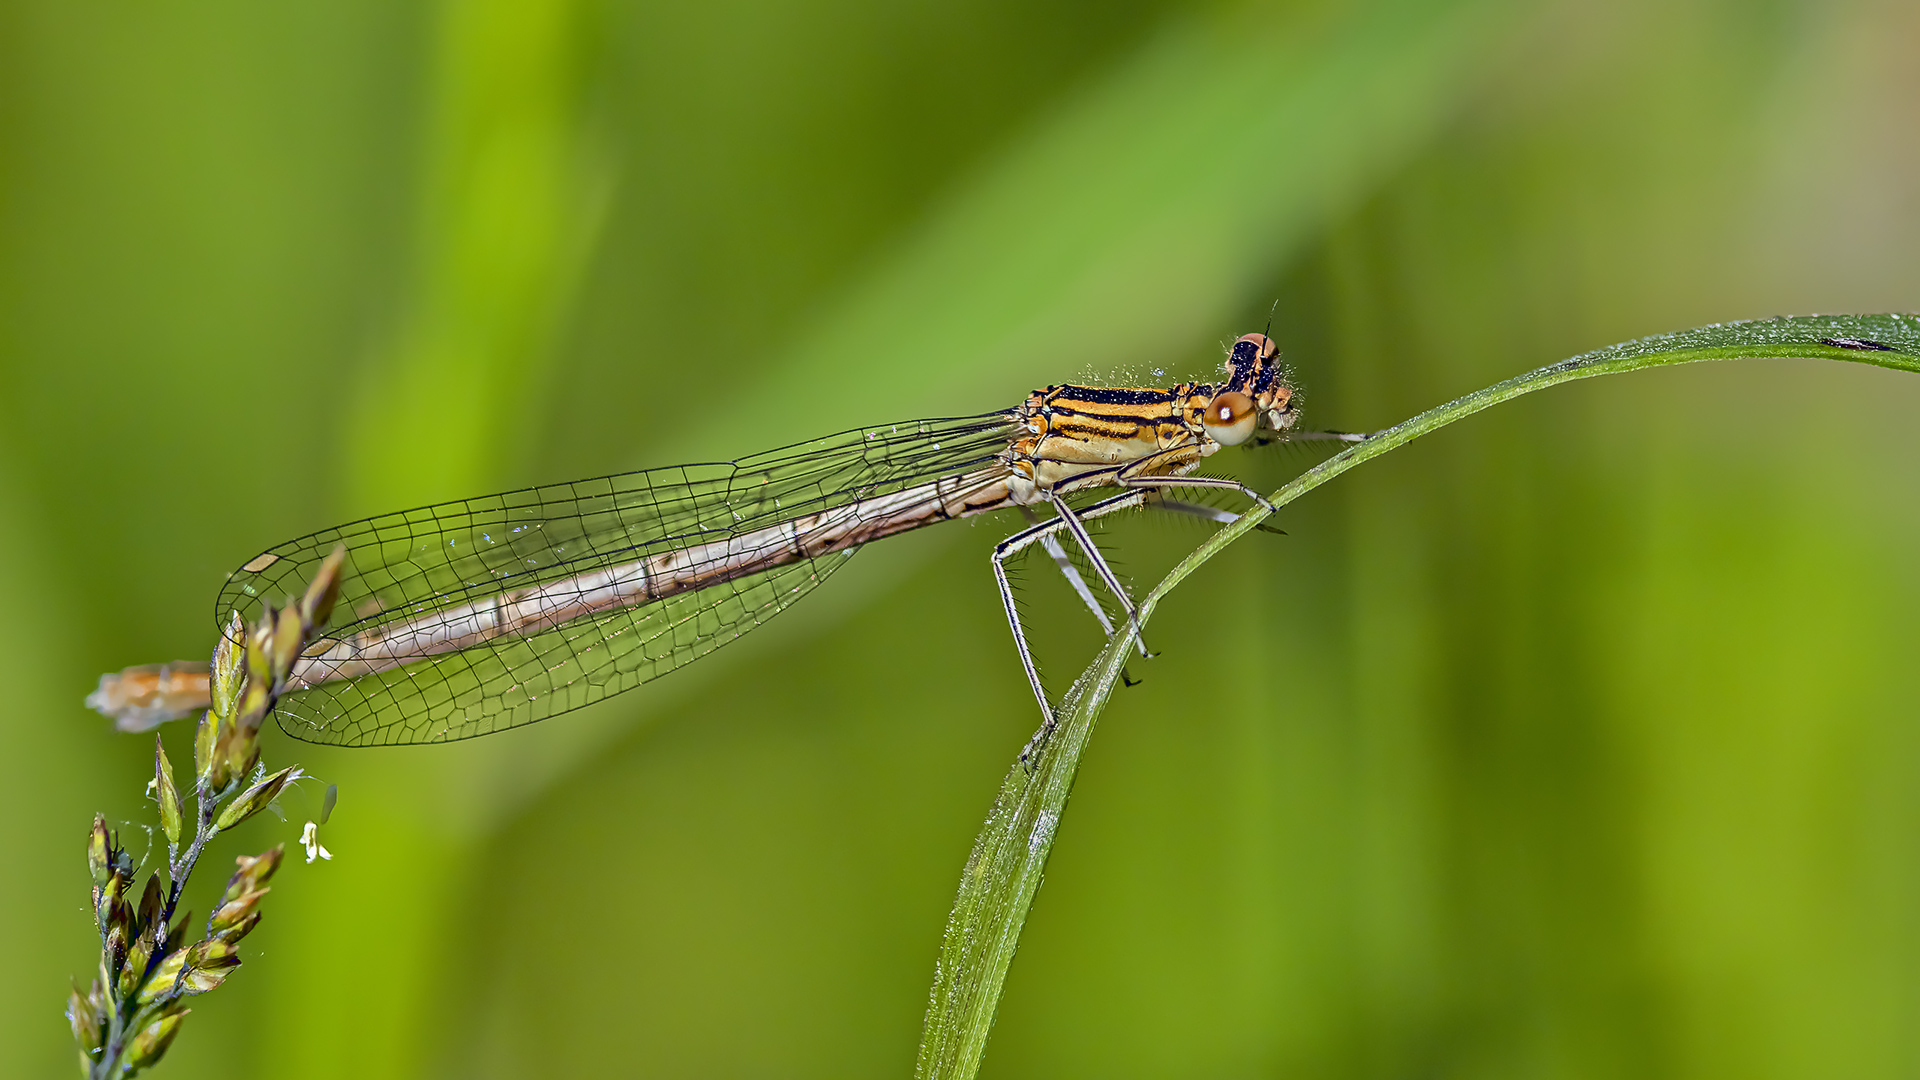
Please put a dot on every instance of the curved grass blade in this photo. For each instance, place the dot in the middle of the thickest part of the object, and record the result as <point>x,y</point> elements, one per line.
<point>1010,853</point>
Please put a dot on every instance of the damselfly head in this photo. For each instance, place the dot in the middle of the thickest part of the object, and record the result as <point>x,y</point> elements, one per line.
<point>1254,388</point>
<point>1250,348</point>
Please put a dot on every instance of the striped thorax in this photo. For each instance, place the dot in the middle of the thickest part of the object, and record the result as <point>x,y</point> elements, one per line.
<point>1077,437</point>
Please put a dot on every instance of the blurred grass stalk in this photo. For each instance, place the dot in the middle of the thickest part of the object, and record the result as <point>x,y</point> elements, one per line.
<point>1145,211</point>
<point>1009,856</point>
<point>512,195</point>
<point>511,191</point>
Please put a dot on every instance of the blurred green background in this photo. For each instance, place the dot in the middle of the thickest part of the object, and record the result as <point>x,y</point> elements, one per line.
<point>1579,740</point>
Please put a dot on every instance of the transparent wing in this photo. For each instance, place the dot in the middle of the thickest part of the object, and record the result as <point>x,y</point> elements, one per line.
<point>454,564</point>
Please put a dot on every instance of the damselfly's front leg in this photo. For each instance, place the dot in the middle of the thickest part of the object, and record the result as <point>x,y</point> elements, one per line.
<point>1208,513</point>
<point>1140,474</point>
<point>1019,542</point>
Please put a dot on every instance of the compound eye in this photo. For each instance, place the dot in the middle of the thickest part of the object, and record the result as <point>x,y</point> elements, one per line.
<point>1263,346</point>
<point>1229,418</point>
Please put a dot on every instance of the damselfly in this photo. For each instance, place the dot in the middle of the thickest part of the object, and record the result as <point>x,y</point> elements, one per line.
<point>470,617</point>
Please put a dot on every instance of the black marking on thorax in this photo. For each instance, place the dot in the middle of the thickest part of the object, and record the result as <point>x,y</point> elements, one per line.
<point>1109,395</point>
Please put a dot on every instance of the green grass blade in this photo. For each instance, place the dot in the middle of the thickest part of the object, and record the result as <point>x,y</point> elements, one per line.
<point>1010,854</point>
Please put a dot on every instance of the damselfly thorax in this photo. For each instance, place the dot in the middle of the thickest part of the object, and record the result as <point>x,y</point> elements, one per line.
<point>465,618</point>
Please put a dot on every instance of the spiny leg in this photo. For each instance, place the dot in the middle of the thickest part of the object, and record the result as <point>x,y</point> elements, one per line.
<point>1270,438</point>
<point>1158,471</point>
<point>1052,544</point>
<point>1074,521</point>
<point>1209,513</point>
<point>1013,545</point>
<point>1001,552</point>
<point>1069,571</point>
<point>1216,482</point>
<point>1072,573</point>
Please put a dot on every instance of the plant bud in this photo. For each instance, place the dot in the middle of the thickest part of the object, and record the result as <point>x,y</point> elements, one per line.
<point>149,911</point>
<point>289,637</point>
<point>164,976</point>
<point>151,1043</point>
<point>231,914</point>
<point>109,909</point>
<point>114,951</point>
<point>166,794</point>
<point>253,873</point>
<point>242,749</point>
<point>229,667</point>
<point>205,739</point>
<point>137,956</point>
<point>259,647</point>
<point>99,851</point>
<point>252,801</point>
<point>317,606</point>
<point>85,1020</point>
<point>256,701</point>
<point>239,929</point>
<point>208,964</point>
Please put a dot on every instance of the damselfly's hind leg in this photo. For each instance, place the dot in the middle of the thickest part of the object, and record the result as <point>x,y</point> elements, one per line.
<point>1072,574</point>
<point>1041,532</point>
<point>1073,521</point>
<point>1051,544</point>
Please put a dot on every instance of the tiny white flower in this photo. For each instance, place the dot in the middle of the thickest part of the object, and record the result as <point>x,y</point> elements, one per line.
<point>310,839</point>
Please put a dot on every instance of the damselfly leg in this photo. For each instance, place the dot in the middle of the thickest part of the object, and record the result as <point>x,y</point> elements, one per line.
<point>1148,488</point>
<point>1025,538</point>
<point>1051,545</point>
